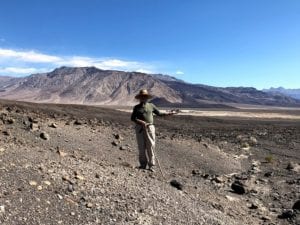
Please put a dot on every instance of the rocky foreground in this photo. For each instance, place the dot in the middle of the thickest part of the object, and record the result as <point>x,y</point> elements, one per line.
<point>77,165</point>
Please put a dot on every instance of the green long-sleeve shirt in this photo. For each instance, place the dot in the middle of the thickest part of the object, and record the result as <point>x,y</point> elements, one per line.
<point>145,111</point>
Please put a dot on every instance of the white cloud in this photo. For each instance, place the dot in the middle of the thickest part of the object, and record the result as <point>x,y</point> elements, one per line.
<point>145,71</point>
<point>14,61</point>
<point>19,70</point>
<point>179,72</point>
<point>28,56</point>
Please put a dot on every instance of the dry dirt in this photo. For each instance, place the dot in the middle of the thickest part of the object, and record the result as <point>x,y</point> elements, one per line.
<point>72,164</point>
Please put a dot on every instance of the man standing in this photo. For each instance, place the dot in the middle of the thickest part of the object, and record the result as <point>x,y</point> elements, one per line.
<point>142,115</point>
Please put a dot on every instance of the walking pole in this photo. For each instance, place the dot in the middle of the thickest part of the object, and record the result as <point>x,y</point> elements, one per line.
<point>158,163</point>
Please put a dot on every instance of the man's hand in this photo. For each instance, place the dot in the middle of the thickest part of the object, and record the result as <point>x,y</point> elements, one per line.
<point>171,113</point>
<point>142,123</point>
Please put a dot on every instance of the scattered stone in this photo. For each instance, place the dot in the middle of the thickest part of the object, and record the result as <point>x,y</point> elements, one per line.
<point>32,120</point>
<point>290,166</point>
<point>253,141</point>
<point>72,213</point>
<point>219,179</point>
<point>293,167</point>
<point>123,148</point>
<point>296,206</point>
<point>47,182</point>
<point>6,133</point>
<point>231,198</point>
<point>245,146</point>
<point>97,175</point>
<point>2,149</point>
<point>59,196</point>
<point>79,177</point>
<point>114,143</point>
<point>61,153</point>
<point>269,174</point>
<point>10,121</point>
<point>44,136</point>
<point>118,136</point>
<point>2,209</point>
<point>196,172</point>
<point>287,214</point>
<point>176,184</point>
<point>205,145</point>
<point>238,187</point>
<point>53,125</point>
<point>34,126</point>
<point>89,205</point>
<point>78,122</point>
<point>253,206</point>
<point>66,178</point>
<point>265,218</point>
<point>32,183</point>
<point>39,188</point>
<point>70,188</point>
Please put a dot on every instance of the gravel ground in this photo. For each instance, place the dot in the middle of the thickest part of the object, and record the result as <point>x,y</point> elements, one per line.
<point>71,164</point>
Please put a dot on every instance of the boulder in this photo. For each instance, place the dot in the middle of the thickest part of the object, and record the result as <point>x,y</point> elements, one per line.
<point>238,187</point>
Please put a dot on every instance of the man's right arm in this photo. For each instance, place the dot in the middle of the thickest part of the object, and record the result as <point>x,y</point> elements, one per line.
<point>136,120</point>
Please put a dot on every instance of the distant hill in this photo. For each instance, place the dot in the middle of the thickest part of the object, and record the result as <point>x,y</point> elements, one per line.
<point>89,85</point>
<point>294,93</point>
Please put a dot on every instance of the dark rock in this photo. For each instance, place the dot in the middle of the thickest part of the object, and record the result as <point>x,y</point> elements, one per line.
<point>44,136</point>
<point>117,136</point>
<point>205,176</point>
<point>32,120</point>
<point>78,122</point>
<point>253,206</point>
<point>123,148</point>
<point>291,166</point>
<point>89,205</point>
<point>196,172</point>
<point>70,188</point>
<point>296,206</point>
<point>287,214</point>
<point>6,133</point>
<point>176,184</point>
<point>53,125</point>
<point>269,174</point>
<point>238,187</point>
<point>34,126</point>
<point>10,120</point>
<point>114,143</point>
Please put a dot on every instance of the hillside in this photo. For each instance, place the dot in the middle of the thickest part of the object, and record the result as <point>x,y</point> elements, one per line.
<point>89,85</point>
<point>294,93</point>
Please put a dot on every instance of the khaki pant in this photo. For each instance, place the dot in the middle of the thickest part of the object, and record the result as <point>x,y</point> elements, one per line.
<point>146,143</point>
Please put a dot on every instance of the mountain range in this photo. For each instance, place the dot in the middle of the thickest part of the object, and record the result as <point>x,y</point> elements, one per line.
<point>93,86</point>
<point>294,93</point>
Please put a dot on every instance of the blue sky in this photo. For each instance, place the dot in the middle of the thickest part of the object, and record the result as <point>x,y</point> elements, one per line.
<point>216,42</point>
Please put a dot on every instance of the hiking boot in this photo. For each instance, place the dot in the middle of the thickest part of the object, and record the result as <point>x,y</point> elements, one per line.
<point>142,167</point>
<point>152,169</point>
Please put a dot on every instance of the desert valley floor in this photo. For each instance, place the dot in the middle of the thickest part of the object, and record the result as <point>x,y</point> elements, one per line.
<point>73,164</point>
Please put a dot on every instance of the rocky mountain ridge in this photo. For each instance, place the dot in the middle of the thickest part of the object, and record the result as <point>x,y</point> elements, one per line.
<point>294,93</point>
<point>92,86</point>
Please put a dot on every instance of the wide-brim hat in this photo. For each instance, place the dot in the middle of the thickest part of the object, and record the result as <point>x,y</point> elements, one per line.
<point>143,93</point>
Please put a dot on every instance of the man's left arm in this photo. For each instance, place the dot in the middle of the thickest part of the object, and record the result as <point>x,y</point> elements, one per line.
<point>159,113</point>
